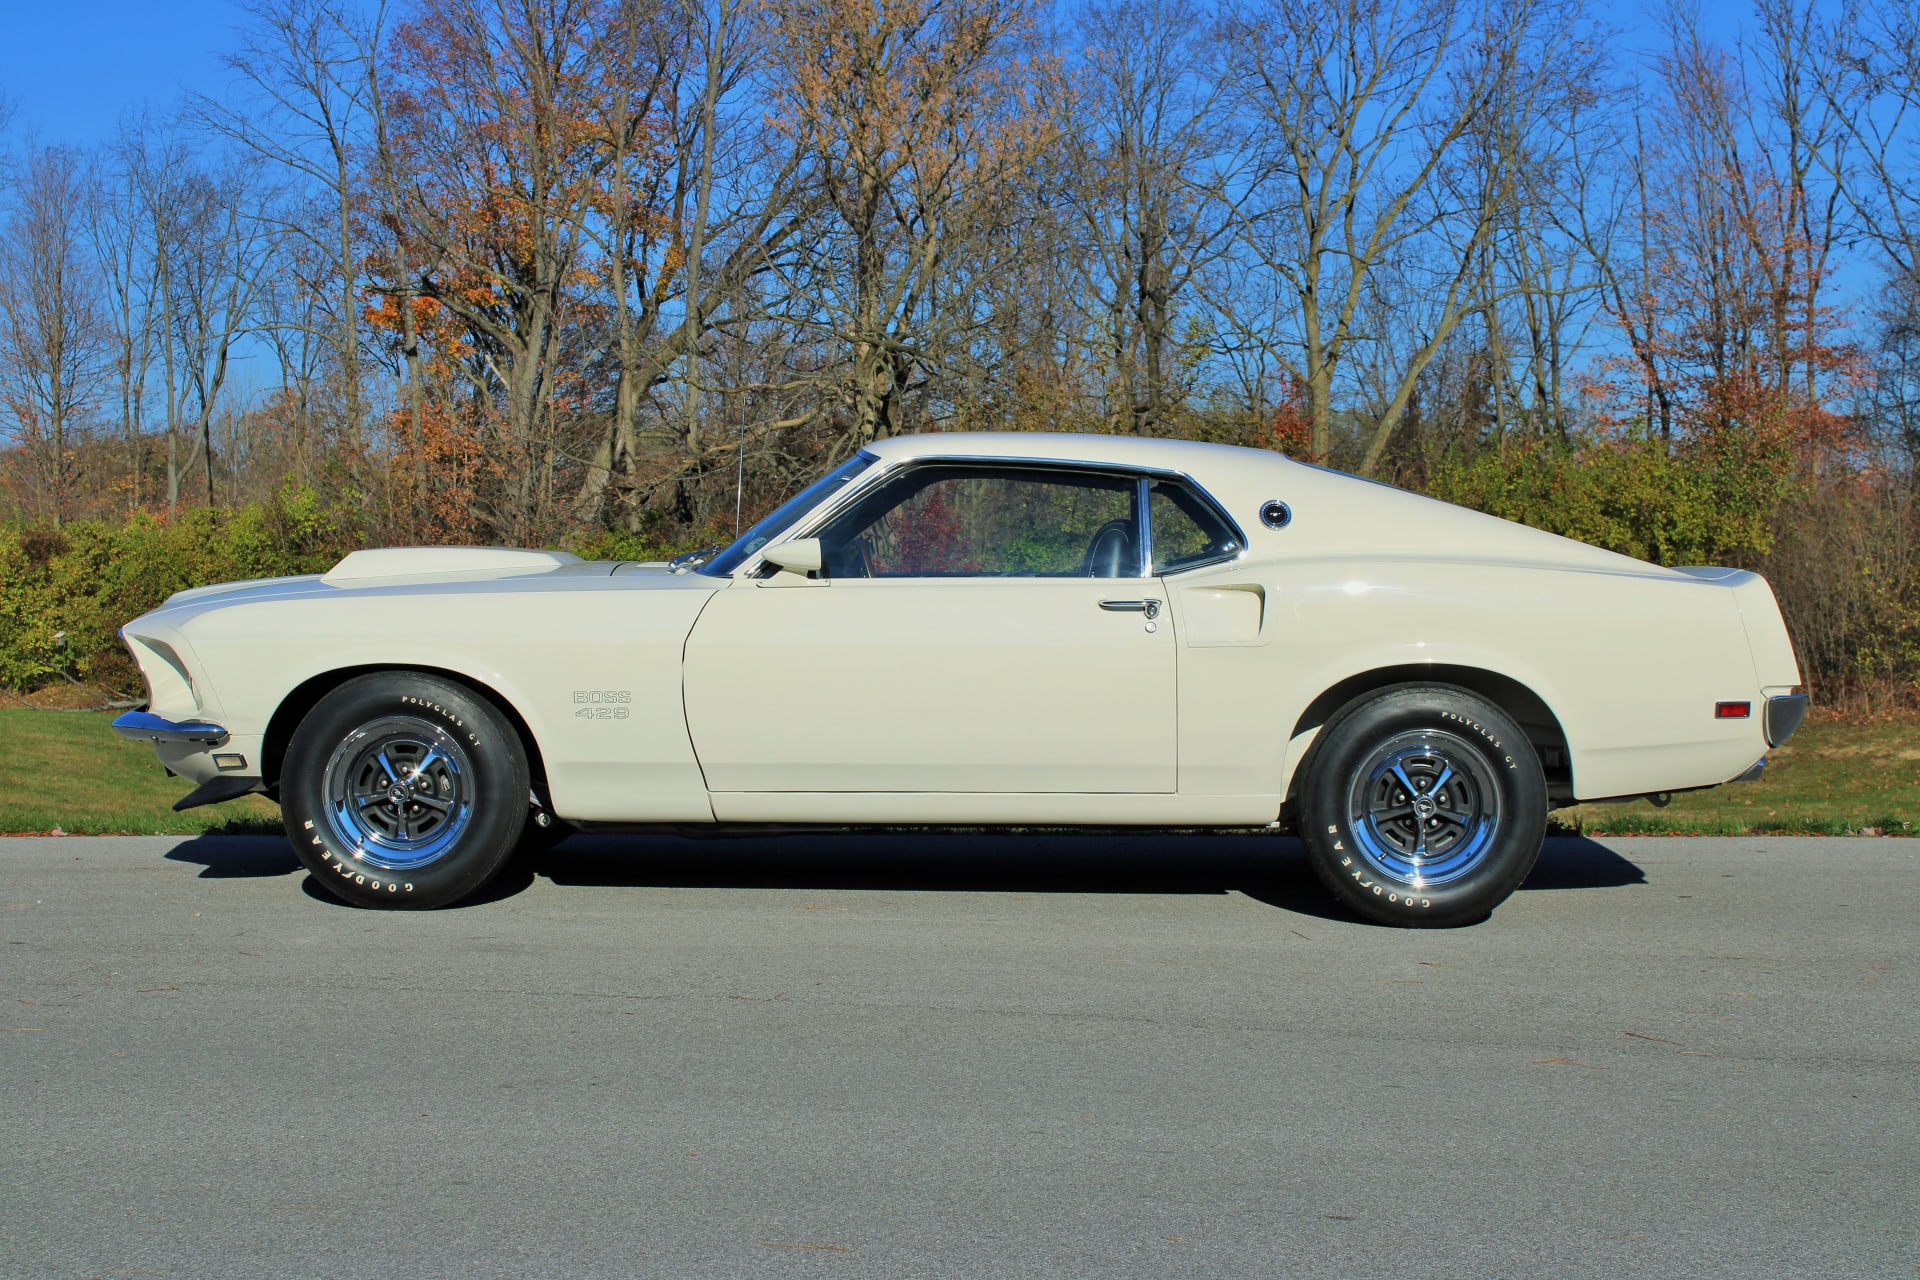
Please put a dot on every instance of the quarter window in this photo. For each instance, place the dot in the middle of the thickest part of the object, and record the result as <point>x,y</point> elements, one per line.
<point>1187,531</point>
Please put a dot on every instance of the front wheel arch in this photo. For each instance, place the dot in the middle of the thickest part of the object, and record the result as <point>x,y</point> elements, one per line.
<point>305,696</point>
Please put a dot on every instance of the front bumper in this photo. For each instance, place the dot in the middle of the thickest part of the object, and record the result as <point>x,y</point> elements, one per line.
<point>190,741</point>
<point>144,726</point>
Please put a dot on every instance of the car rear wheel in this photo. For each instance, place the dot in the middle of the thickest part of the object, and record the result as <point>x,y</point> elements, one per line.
<point>402,789</point>
<point>1423,806</point>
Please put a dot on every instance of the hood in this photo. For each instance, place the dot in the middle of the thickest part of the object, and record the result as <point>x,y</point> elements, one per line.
<point>401,567</point>
<point>249,587</point>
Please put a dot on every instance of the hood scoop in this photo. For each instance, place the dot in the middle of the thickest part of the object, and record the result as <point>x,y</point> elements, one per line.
<point>399,564</point>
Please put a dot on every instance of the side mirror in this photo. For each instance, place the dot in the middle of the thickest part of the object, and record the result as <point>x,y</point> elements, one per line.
<point>801,556</point>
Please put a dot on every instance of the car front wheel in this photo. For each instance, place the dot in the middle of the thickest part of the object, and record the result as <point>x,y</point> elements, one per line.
<point>1423,806</point>
<point>402,789</point>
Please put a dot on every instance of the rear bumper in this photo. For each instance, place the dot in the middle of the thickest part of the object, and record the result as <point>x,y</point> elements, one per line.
<point>1783,715</point>
<point>144,726</point>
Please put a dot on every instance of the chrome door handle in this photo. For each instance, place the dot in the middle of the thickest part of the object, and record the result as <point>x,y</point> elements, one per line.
<point>1149,607</point>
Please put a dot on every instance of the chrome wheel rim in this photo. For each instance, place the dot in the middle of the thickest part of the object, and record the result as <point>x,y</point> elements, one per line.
<point>1424,809</point>
<point>399,792</point>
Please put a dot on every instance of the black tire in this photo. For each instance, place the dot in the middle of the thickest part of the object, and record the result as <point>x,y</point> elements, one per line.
<point>403,789</point>
<point>1423,806</point>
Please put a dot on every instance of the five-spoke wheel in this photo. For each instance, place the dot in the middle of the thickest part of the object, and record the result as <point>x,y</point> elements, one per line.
<point>404,789</point>
<point>398,790</point>
<point>1423,805</point>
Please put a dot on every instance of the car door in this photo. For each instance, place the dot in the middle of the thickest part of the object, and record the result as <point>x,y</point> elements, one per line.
<point>977,628</point>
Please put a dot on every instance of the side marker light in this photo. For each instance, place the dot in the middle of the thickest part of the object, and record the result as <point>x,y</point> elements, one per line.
<point>1732,710</point>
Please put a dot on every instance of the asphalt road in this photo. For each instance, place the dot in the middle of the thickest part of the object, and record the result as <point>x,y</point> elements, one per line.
<point>960,1056</point>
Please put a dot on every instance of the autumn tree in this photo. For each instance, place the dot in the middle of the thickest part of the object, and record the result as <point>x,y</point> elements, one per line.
<point>1144,144</point>
<point>156,158</point>
<point>302,106</point>
<point>291,304</point>
<point>1870,79</point>
<point>52,340</point>
<point>1360,115</point>
<point>645,54</point>
<point>1728,312</point>
<point>915,117</point>
<point>489,116</point>
<point>221,254</point>
<point>698,199</point>
<point>117,225</point>
<point>1893,392</point>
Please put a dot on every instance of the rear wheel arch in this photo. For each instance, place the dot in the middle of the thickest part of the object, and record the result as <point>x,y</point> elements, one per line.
<point>305,696</point>
<point>1520,703</point>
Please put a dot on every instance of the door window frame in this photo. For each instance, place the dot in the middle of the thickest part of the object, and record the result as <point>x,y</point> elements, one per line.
<point>1144,478</point>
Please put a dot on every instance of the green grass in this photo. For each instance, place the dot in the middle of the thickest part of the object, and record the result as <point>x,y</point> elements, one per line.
<point>69,770</point>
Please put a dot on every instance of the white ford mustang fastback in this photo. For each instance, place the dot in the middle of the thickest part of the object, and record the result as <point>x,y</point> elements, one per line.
<point>985,629</point>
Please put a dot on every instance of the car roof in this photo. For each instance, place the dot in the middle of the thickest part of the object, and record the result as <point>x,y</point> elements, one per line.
<point>1188,456</point>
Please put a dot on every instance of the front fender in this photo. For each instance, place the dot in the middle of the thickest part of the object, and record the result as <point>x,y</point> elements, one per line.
<point>594,674</point>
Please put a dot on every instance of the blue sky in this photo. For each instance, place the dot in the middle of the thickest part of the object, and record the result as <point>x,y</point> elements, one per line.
<point>73,66</point>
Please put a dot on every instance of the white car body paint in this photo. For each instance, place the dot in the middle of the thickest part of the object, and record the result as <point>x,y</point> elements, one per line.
<point>685,698</point>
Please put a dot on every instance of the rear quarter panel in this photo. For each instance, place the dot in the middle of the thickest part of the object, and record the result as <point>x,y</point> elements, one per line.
<point>1630,667</point>
<point>1629,657</point>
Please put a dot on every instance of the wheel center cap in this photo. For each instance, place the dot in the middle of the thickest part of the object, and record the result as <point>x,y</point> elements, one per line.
<point>1423,806</point>
<point>399,793</point>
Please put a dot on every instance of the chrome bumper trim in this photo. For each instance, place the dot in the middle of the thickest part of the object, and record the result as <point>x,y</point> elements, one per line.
<point>144,726</point>
<point>1783,716</point>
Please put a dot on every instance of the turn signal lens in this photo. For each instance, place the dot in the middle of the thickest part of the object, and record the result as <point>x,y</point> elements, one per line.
<point>1732,710</point>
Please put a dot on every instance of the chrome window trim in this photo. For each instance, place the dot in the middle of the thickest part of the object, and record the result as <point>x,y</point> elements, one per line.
<point>1215,562</point>
<point>1143,527</point>
<point>756,561</point>
<point>1219,509</point>
<point>807,527</point>
<point>809,524</point>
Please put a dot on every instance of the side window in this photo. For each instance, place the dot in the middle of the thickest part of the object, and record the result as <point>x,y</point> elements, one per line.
<point>961,521</point>
<point>1187,531</point>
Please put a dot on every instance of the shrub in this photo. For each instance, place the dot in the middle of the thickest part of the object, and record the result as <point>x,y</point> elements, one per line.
<point>1701,504</point>
<point>1845,565</point>
<point>622,544</point>
<point>28,634</point>
<point>62,609</point>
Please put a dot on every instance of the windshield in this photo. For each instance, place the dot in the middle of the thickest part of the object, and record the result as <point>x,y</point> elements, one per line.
<point>785,515</point>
